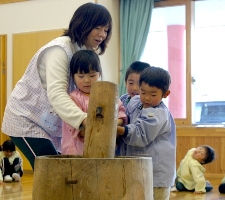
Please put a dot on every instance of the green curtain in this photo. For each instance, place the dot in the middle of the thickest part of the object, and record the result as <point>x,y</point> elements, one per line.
<point>135,18</point>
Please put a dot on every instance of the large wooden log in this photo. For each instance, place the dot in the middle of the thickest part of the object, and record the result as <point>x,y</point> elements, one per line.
<point>73,178</point>
<point>100,134</point>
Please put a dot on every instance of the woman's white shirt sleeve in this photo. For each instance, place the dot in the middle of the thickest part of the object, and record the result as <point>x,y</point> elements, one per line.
<point>56,61</point>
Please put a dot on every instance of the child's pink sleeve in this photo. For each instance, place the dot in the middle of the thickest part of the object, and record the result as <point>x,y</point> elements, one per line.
<point>72,142</point>
<point>121,113</point>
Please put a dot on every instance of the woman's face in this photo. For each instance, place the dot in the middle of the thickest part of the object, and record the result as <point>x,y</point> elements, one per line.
<point>96,37</point>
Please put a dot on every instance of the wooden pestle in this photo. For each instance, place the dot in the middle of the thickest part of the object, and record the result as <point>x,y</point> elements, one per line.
<point>100,133</point>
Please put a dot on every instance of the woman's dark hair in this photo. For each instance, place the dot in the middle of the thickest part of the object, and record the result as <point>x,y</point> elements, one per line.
<point>156,77</point>
<point>136,67</point>
<point>85,18</point>
<point>8,145</point>
<point>84,61</point>
<point>210,154</point>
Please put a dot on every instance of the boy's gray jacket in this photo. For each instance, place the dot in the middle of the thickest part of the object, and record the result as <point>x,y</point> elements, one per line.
<point>152,133</point>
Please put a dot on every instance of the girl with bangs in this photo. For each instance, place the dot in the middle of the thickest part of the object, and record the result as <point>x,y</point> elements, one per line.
<point>85,70</point>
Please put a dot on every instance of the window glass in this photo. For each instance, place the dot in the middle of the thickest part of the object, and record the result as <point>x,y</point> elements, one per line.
<point>165,47</point>
<point>208,63</point>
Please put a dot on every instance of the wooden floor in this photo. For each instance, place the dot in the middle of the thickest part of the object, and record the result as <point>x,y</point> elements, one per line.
<point>23,191</point>
<point>18,190</point>
<point>212,195</point>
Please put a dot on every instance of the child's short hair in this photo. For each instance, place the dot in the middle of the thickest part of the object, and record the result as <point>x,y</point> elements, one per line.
<point>84,61</point>
<point>156,77</point>
<point>8,145</point>
<point>210,154</point>
<point>136,67</point>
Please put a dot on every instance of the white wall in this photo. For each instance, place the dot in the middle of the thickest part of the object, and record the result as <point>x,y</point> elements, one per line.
<point>38,15</point>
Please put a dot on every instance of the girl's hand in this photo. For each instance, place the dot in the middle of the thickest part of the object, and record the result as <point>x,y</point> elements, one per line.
<point>198,192</point>
<point>81,133</point>
<point>84,122</point>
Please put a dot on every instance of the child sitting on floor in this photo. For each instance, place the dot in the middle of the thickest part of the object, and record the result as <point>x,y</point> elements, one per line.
<point>190,174</point>
<point>10,162</point>
<point>222,186</point>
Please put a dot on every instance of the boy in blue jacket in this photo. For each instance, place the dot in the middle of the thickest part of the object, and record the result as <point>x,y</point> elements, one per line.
<point>151,131</point>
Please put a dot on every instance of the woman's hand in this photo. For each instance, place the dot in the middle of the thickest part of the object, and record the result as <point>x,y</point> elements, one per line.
<point>120,130</point>
<point>84,122</point>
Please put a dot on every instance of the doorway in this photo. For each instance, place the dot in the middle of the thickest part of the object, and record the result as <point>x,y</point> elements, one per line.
<point>3,70</point>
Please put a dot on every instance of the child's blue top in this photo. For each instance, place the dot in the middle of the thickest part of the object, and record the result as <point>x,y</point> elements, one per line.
<point>125,98</point>
<point>151,132</point>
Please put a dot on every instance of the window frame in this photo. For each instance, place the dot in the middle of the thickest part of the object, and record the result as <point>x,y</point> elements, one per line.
<point>189,19</point>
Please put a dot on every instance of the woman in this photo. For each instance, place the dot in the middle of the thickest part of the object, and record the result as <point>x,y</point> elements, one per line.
<point>40,99</point>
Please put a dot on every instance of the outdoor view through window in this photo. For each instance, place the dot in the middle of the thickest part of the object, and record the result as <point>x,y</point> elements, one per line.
<point>208,63</point>
<point>166,46</point>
